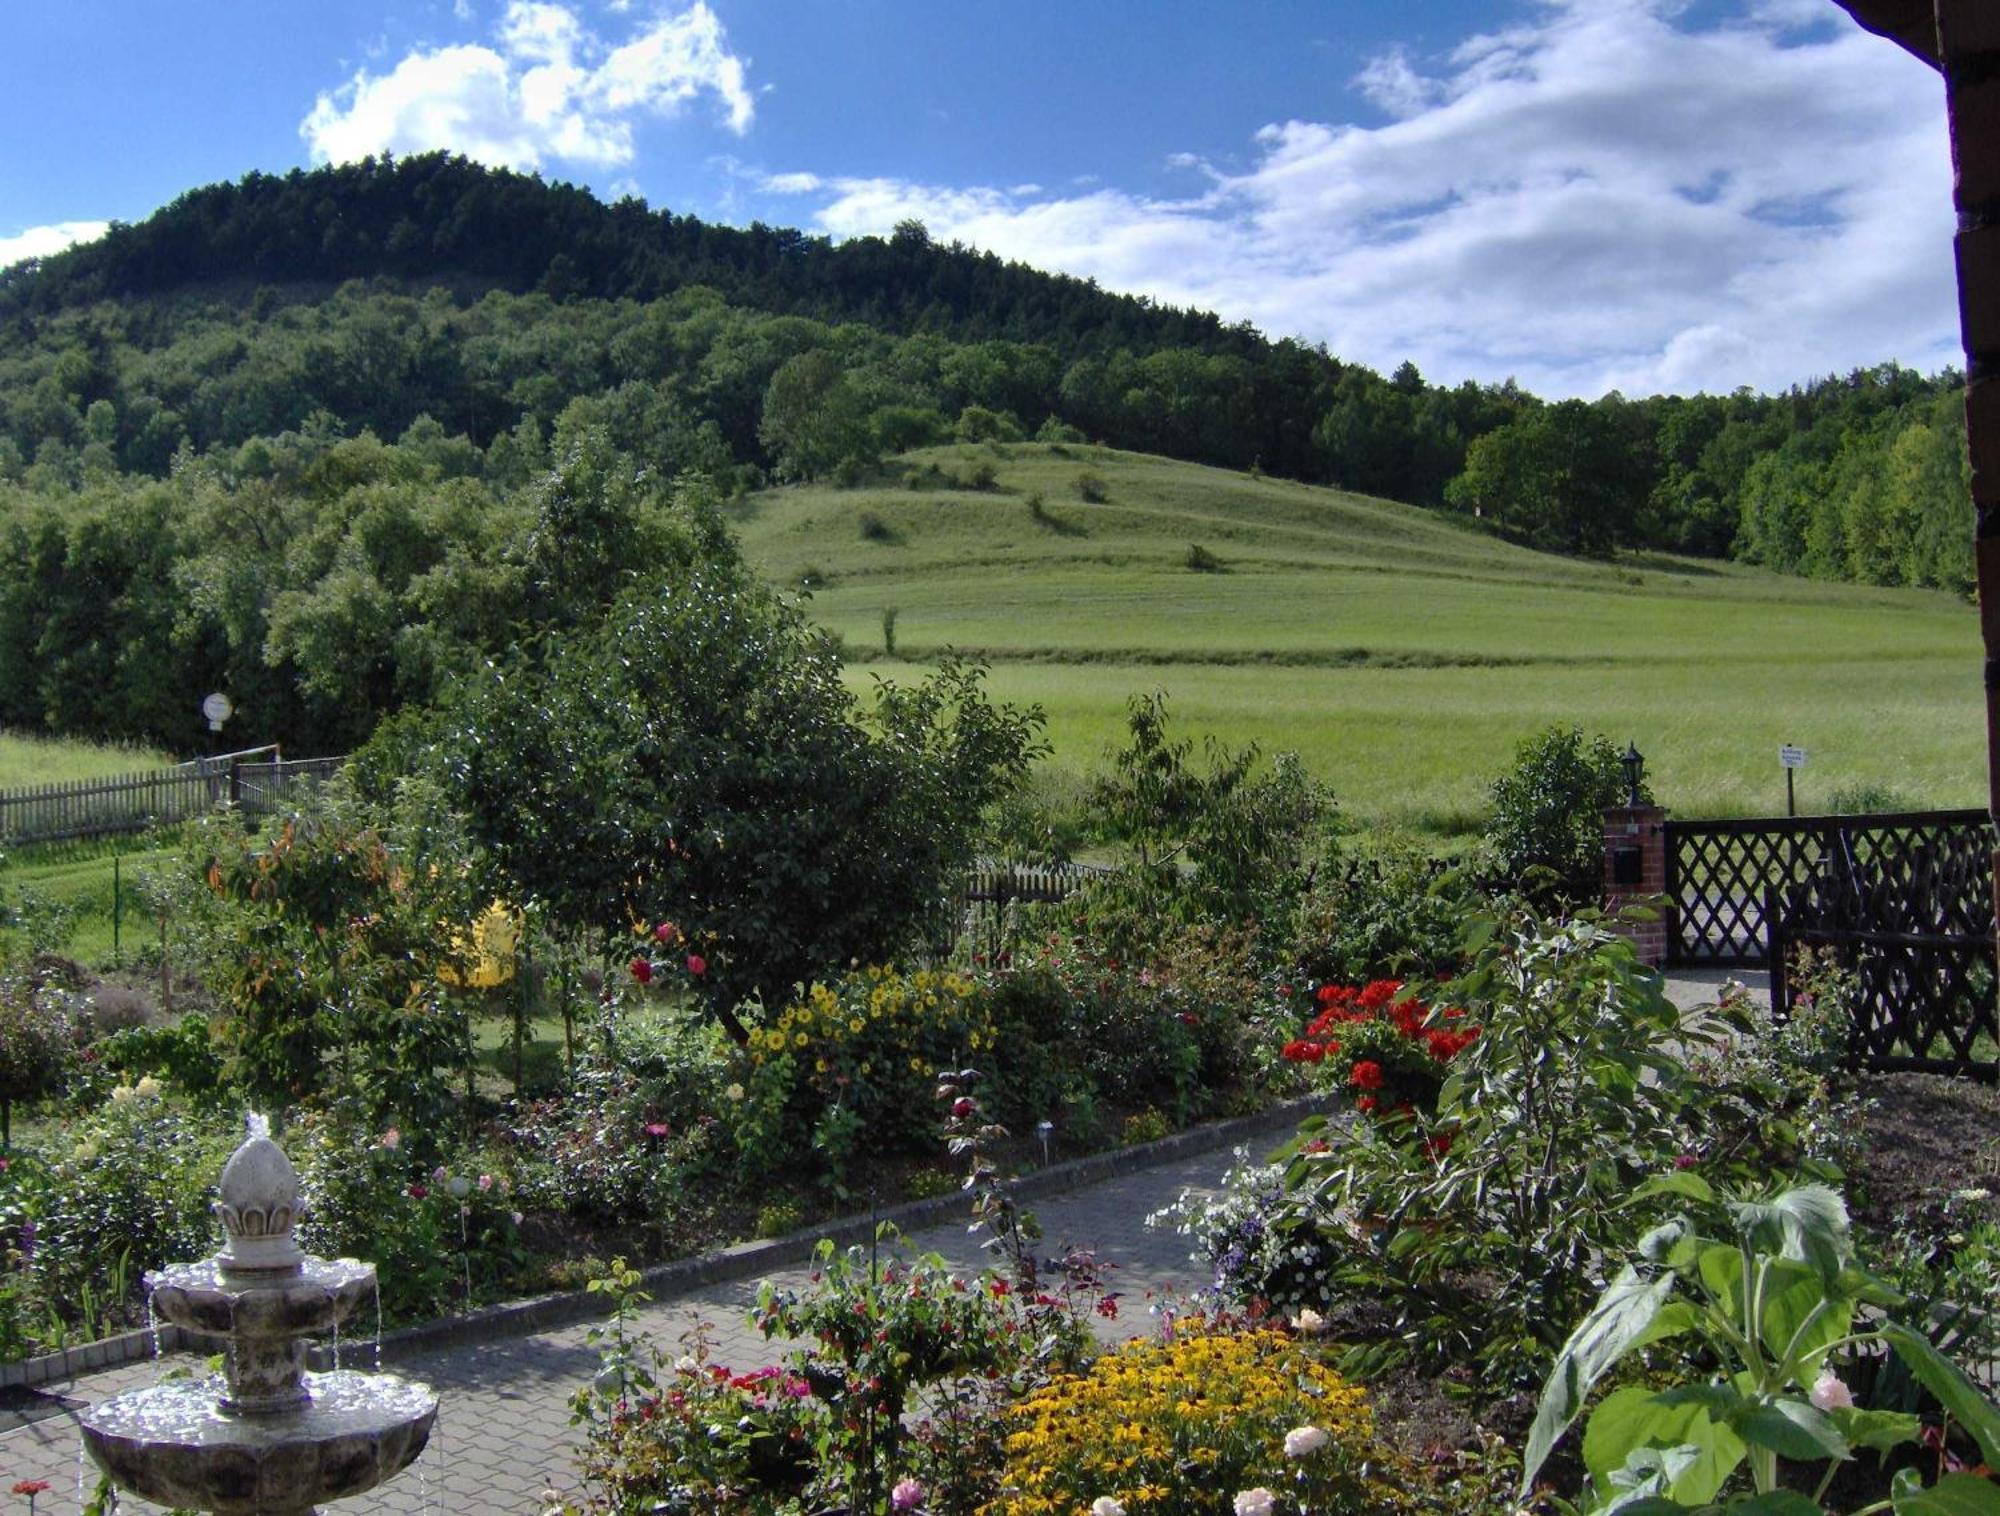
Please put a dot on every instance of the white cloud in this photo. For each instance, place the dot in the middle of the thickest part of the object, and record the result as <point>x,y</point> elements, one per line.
<point>1607,196</point>
<point>42,241</point>
<point>546,87</point>
<point>791,184</point>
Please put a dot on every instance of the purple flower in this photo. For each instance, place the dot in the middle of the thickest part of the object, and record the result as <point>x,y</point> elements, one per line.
<point>907,1495</point>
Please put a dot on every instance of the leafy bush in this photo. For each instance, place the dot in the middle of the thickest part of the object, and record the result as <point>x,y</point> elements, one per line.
<point>698,759</point>
<point>1200,560</point>
<point>1229,846</point>
<point>1091,488</point>
<point>1180,1426</point>
<point>37,1043</point>
<point>1546,836</point>
<point>326,956</point>
<point>182,1054</point>
<point>128,1192</point>
<point>1395,912</point>
<point>1481,1230</point>
<point>854,1061</point>
<point>1760,1313</point>
<point>441,1238</point>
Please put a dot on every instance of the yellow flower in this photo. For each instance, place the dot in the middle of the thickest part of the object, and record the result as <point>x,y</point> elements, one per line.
<point>798,1039</point>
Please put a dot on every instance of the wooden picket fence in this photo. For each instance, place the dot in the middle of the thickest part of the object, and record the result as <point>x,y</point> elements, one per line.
<point>82,808</point>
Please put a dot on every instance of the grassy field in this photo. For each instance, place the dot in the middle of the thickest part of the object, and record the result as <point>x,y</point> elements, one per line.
<point>29,759</point>
<point>1402,653</point>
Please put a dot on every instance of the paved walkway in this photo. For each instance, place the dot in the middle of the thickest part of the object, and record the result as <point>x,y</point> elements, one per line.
<point>503,1433</point>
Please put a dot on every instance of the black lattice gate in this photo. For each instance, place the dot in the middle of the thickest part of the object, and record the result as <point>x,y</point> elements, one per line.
<point>1904,900</point>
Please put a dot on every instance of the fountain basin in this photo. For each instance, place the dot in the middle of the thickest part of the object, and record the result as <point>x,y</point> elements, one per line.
<point>307,1300</point>
<point>175,1445</point>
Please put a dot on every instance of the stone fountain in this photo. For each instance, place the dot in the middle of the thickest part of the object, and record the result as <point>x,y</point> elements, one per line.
<point>266,1438</point>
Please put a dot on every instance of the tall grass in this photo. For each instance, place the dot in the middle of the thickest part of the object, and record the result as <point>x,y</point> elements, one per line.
<point>27,758</point>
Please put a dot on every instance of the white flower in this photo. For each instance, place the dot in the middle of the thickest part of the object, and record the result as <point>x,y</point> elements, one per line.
<point>1300,1441</point>
<point>147,1088</point>
<point>1257,1502</point>
<point>685,1364</point>
<point>1828,1393</point>
<point>734,1092</point>
<point>1104,1505</point>
<point>121,1094</point>
<point>1310,1323</point>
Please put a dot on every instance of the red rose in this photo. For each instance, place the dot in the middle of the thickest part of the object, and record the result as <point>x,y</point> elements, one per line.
<point>417,1192</point>
<point>697,965</point>
<point>666,931</point>
<point>642,970</point>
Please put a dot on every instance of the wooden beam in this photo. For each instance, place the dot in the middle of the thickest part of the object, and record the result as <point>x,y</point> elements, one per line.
<point>1968,46</point>
<point>1910,24</point>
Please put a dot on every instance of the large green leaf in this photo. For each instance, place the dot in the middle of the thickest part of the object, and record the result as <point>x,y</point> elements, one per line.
<point>1634,1419</point>
<point>1792,1292</point>
<point>1878,1431</point>
<point>1791,1429</point>
<point>1682,1182</point>
<point>1808,1224</point>
<point>1957,1394</point>
<point>1953,1495</point>
<point>1642,1484</point>
<point>1773,1503</point>
<point>1622,1316</point>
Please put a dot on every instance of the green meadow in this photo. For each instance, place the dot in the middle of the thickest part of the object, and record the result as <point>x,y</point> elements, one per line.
<point>1403,654</point>
<point>26,759</point>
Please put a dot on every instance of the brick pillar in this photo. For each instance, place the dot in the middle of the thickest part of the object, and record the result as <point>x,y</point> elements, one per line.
<point>1635,873</point>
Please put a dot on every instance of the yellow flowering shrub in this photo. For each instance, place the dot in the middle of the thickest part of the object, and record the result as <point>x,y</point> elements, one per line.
<point>1179,1428</point>
<point>858,1059</point>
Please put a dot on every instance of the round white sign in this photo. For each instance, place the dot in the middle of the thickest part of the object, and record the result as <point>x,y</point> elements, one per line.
<point>217,709</point>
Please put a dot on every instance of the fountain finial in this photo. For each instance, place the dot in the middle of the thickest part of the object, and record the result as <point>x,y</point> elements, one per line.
<point>259,1204</point>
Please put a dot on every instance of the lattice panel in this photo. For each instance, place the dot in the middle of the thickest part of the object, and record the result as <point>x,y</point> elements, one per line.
<point>1927,873</point>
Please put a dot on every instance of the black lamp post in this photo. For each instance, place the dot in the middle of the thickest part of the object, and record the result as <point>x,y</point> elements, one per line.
<point>1635,766</point>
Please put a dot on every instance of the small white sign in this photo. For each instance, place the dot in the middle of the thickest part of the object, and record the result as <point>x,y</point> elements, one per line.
<point>217,709</point>
<point>1792,757</point>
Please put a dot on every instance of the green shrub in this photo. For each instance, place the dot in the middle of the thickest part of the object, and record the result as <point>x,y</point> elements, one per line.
<point>127,1191</point>
<point>1574,1091</point>
<point>37,1043</point>
<point>1201,561</point>
<point>1091,488</point>
<point>182,1054</point>
<point>1546,836</point>
<point>1392,912</point>
<point>431,1230</point>
<point>855,1061</point>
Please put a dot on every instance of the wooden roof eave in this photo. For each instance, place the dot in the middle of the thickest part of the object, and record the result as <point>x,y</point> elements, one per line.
<point>1910,24</point>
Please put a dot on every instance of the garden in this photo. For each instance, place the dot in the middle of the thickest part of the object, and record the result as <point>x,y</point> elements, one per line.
<point>645,938</point>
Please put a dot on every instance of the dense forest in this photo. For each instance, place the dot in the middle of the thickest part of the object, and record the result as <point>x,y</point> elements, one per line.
<point>302,437</point>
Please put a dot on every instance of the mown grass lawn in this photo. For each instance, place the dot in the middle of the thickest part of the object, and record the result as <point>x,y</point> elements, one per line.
<point>1402,653</point>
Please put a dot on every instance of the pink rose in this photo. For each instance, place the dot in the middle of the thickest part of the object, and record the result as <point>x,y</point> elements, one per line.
<point>697,965</point>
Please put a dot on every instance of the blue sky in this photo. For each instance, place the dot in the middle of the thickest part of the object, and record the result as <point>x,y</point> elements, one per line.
<point>1580,194</point>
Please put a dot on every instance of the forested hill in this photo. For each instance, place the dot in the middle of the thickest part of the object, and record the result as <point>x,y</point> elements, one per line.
<point>429,296</point>
<point>437,216</point>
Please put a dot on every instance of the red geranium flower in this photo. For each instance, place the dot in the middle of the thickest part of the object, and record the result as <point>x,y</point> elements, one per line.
<point>1367,1075</point>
